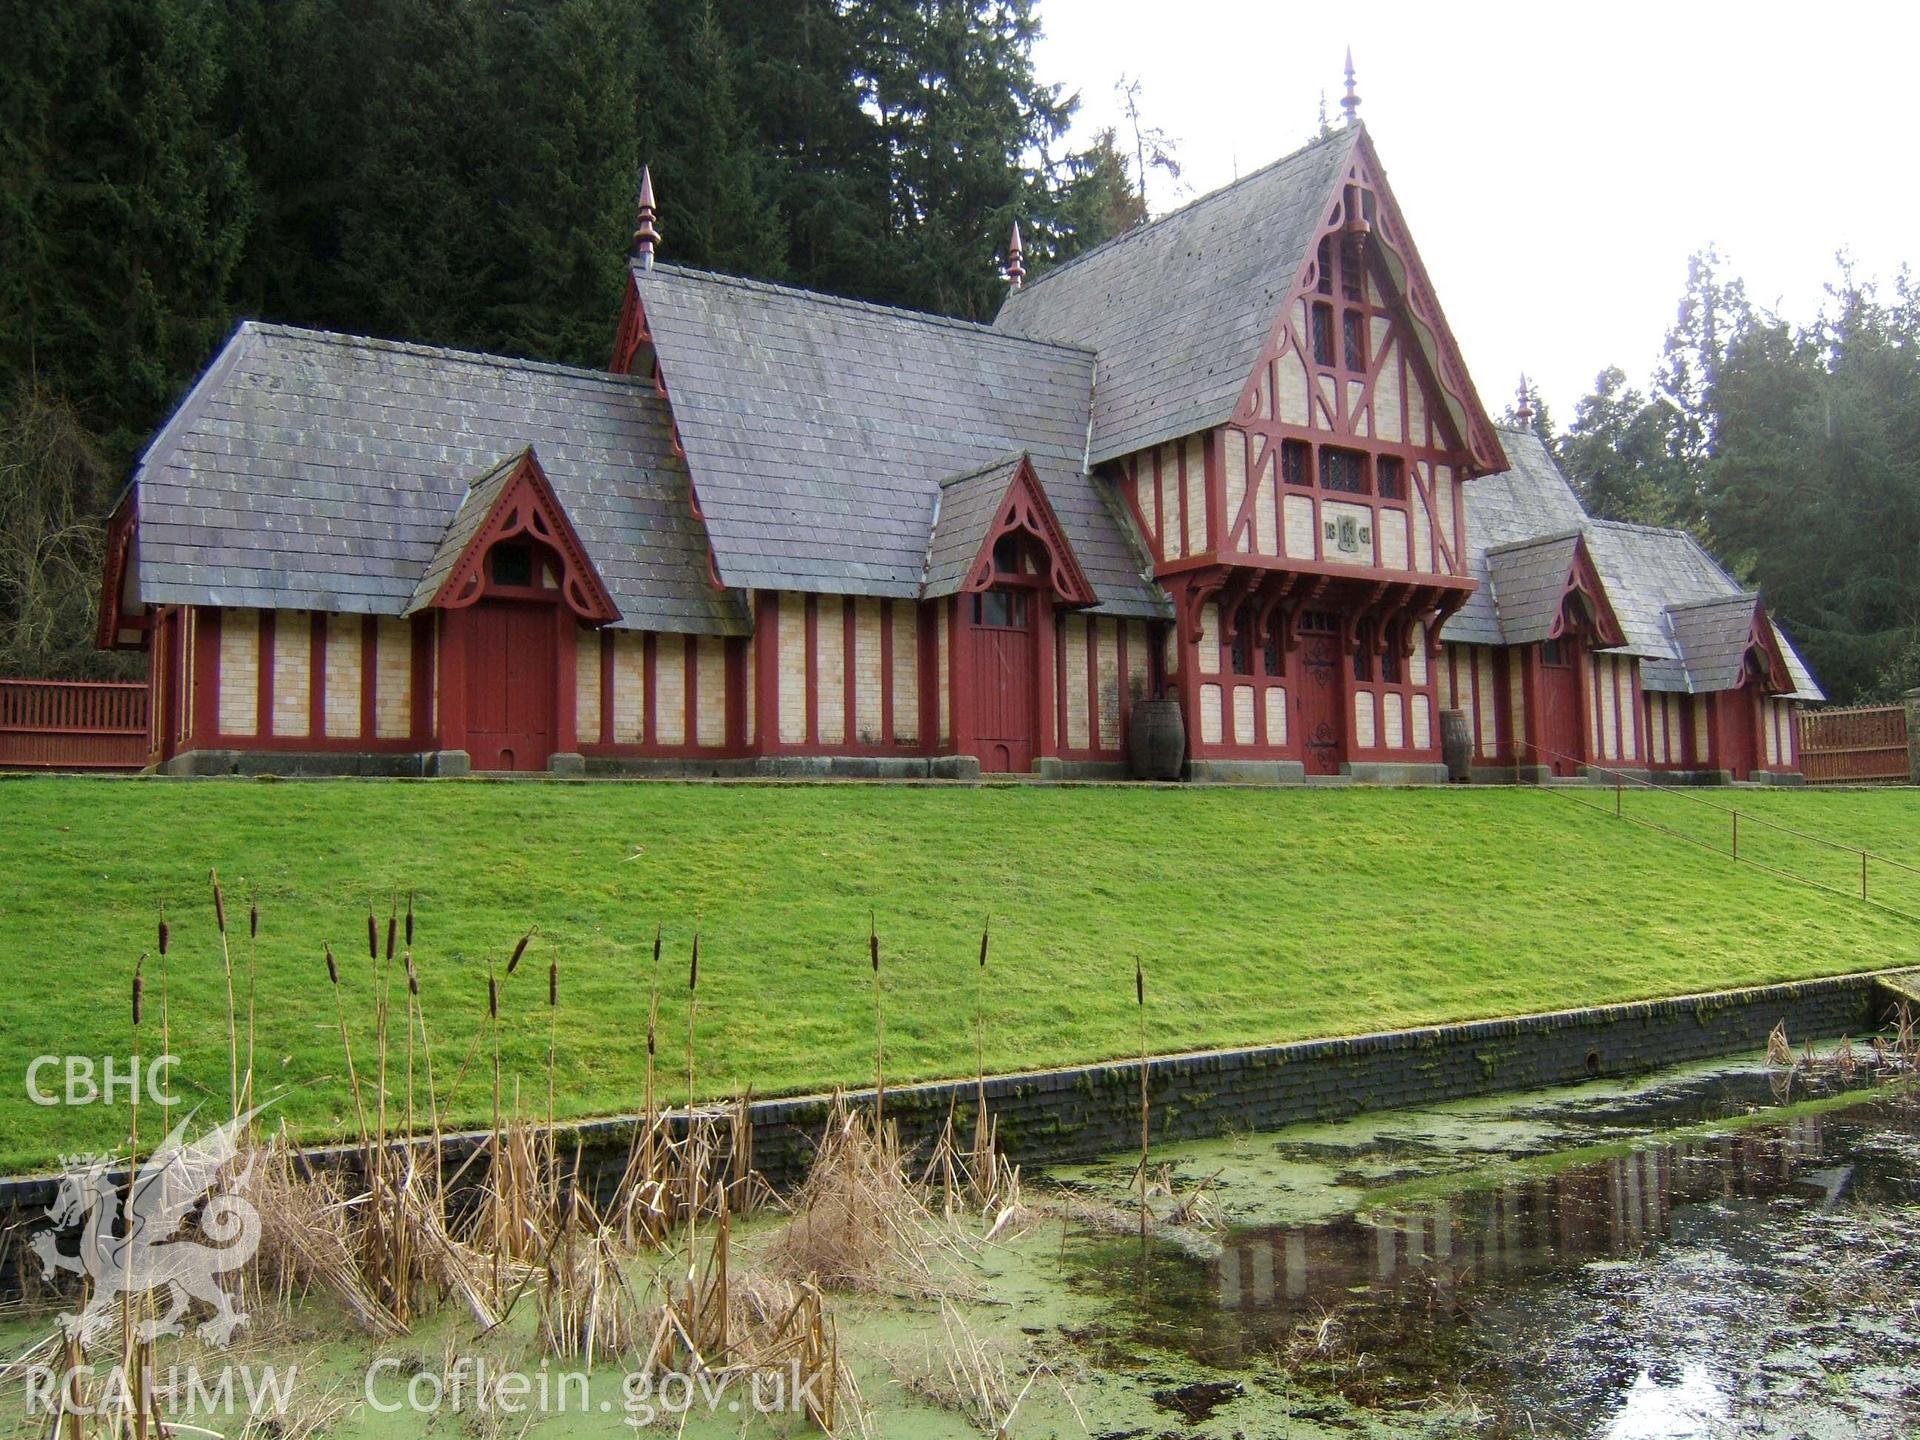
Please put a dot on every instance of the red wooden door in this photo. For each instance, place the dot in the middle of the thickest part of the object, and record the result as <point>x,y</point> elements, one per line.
<point>1003,678</point>
<point>510,686</point>
<point>1737,748</point>
<point>1318,714</point>
<point>1561,727</point>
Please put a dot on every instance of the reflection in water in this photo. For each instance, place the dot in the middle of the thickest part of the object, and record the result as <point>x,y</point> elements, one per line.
<point>1612,1209</point>
<point>1659,1292</point>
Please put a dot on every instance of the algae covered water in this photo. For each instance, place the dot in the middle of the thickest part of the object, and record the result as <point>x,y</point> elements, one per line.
<point>1685,1257</point>
<point>1706,1252</point>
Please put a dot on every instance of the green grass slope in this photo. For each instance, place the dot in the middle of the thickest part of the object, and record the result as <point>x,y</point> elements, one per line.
<point>1261,916</point>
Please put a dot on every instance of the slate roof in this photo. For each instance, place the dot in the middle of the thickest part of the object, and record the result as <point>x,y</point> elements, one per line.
<point>1647,571</point>
<point>1711,636</point>
<point>1529,501</point>
<point>466,522</point>
<point>316,471</point>
<point>1179,309</point>
<point>967,505</point>
<point>1529,582</point>
<point>818,430</point>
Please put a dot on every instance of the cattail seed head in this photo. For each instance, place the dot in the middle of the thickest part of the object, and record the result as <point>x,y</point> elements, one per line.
<point>656,946</point>
<point>409,919</point>
<point>138,964</point>
<point>1139,982</point>
<point>373,935</point>
<point>413,980</point>
<point>333,970</point>
<point>553,983</point>
<point>983,943</point>
<point>166,931</point>
<point>873,944</point>
<point>219,901</point>
<point>493,998</point>
<point>253,921</point>
<point>650,1036</point>
<point>693,970</point>
<point>393,933</point>
<point>520,950</point>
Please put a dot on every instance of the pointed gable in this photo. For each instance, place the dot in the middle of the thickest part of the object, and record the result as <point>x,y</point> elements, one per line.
<point>1185,312</point>
<point>1721,641</point>
<point>511,501</point>
<point>976,510</point>
<point>1537,584</point>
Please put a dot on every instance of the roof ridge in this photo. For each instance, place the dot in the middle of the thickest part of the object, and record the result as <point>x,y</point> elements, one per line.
<point>1345,134</point>
<point>1749,597</point>
<point>897,312</point>
<point>1550,537</point>
<point>347,340</point>
<point>1012,457</point>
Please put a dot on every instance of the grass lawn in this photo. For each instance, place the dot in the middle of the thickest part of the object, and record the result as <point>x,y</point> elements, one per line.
<point>1262,916</point>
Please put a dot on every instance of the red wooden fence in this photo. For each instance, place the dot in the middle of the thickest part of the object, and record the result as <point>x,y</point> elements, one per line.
<point>1859,746</point>
<point>73,725</point>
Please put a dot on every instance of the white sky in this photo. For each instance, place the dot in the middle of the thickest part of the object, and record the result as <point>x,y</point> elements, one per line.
<point>1556,164</point>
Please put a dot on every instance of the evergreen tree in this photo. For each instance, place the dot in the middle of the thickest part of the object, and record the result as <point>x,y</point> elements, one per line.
<point>1619,452</point>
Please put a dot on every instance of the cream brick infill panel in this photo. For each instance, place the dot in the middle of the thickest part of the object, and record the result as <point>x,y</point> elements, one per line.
<point>1211,719</point>
<point>793,668</point>
<point>629,687</point>
<point>586,684</point>
<point>292,672</point>
<point>830,628</point>
<point>1107,669</point>
<point>869,676</point>
<point>906,670</point>
<point>670,689</point>
<point>239,672</point>
<point>393,680</point>
<point>711,662</point>
<point>341,700</point>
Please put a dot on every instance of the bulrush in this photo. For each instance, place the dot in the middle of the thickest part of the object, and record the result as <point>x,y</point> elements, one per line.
<point>373,934</point>
<point>879,1026</point>
<point>393,927</point>
<point>520,950</point>
<point>226,964</point>
<point>409,920</point>
<point>138,966</point>
<point>333,970</point>
<point>166,931</point>
<point>219,901</point>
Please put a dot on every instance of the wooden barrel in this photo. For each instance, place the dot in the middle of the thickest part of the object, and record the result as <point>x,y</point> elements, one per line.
<point>1156,740</point>
<point>1456,744</point>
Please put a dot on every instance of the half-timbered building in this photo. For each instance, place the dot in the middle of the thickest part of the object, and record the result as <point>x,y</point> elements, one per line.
<point>1232,457</point>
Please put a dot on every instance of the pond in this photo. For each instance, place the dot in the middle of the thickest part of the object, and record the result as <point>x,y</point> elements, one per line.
<point>1683,1257</point>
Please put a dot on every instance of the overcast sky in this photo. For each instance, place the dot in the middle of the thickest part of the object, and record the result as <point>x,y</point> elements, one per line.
<point>1556,164</point>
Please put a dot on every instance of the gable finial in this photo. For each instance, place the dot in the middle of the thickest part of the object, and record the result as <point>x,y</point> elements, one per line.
<point>1350,102</point>
<point>1523,411</point>
<point>1016,270</point>
<point>646,234</point>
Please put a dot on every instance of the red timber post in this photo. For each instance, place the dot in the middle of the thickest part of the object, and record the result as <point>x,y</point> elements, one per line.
<point>959,678</point>
<point>453,680</point>
<point>930,619</point>
<point>316,675</point>
<point>369,673</point>
<point>737,702</point>
<point>1048,730</point>
<point>1212,478</point>
<point>566,685</point>
<point>766,671</point>
<point>206,676</point>
<point>1536,714</point>
<point>263,690</point>
<point>1188,675</point>
<point>420,722</point>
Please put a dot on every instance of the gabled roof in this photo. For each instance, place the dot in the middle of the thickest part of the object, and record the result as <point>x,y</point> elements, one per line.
<point>818,430</point>
<point>309,470</point>
<point>1531,582</point>
<point>1179,309</point>
<point>1644,569</point>
<point>1714,636</point>
<point>1531,500</point>
<point>973,507</point>
<point>517,485</point>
